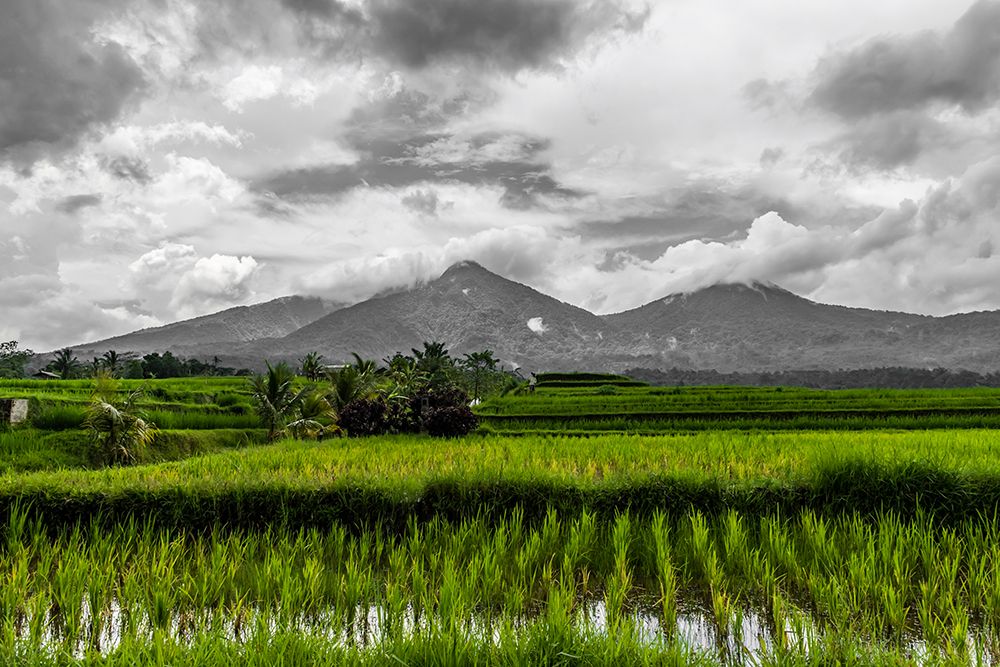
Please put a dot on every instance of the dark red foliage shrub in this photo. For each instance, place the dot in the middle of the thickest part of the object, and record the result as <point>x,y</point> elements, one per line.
<point>363,416</point>
<point>450,421</point>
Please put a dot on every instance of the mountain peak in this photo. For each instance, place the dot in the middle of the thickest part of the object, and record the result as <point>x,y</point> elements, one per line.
<point>464,266</point>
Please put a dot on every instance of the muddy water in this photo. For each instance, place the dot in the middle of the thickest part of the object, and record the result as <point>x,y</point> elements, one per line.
<point>745,641</point>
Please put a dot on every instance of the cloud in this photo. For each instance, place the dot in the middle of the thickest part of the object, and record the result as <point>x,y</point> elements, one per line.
<point>892,139</point>
<point>128,169</point>
<point>214,282</point>
<point>174,280</point>
<point>537,325</point>
<point>507,35</point>
<point>892,73</point>
<point>156,271</point>
<point>422,201</point>
<point>74,203</point>
<point>56,83</point>
<point>521,252</point>
<point>511,162</point>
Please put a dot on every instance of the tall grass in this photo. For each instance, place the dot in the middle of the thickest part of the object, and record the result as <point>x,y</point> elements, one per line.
<point>620,591</point>
<point>954,473</point>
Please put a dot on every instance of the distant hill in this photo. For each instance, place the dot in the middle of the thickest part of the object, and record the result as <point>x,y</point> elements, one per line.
<point>731,328</point>
<point>468,308</point>
<point>741,328</point>
<point>205,336</point>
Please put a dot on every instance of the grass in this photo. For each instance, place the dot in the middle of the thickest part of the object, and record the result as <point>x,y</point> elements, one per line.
<point>766,545</point>
<point>955,474</point>
<point>675,409</point>
<point>507,592</point>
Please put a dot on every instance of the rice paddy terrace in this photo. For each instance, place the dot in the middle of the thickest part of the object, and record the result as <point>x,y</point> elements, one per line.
<point>591,521</point>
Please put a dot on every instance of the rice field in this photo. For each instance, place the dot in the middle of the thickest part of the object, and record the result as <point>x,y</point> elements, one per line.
<point>586,407</point>
<point>777,543</point>
<point>632,590</point>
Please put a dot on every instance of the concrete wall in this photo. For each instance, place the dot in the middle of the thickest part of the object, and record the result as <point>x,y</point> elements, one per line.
<point>13,410</point>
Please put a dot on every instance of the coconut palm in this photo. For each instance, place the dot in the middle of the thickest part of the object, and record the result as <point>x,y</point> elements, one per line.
<point>314,417</point>
<point>312,366</point>
<point>64,364</point>
<point>434,361</point>
<point>480,366</point>
<point>275,397</point>
<point>114,361</point>
<point>121,433</point>
<point>369,366</point>
<point>350,383</point>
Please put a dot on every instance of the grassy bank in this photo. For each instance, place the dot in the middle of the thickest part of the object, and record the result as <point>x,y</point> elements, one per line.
<point>955,474</point>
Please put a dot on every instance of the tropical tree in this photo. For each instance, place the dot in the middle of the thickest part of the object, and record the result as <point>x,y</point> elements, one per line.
<point>349,384</point>
<point>275,398</point>
<point>64,364</point>
<point>314,417</point>
<point>13,360</point>
<point>115,362</point>
<point>312,366</point>
<point>480,366</point>
<point>434,361</point>
<point>369,366</point>
<point>120,432</point>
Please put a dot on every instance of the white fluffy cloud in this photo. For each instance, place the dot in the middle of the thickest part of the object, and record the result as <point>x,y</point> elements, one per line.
<point>213,282</point>
<point>173,279</point>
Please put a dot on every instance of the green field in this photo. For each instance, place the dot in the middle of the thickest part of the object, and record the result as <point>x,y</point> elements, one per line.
<point>780,542</point>
<point>592,406</point>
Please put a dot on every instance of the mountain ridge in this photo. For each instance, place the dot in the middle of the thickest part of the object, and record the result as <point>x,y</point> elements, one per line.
<point>728,327</point>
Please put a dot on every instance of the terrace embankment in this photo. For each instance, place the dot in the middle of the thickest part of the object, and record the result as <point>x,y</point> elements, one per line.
<point>951,474</point>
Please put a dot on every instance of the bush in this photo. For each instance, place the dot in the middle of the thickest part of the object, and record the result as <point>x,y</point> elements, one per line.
<point>606,390</point>
<point>363,416</point>
<point>450,421</point>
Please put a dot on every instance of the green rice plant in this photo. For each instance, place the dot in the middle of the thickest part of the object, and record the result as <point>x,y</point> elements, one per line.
<point>59,417</point>
<point>619,584</point>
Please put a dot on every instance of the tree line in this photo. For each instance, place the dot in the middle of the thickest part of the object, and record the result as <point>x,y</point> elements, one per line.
<point>427,390</point>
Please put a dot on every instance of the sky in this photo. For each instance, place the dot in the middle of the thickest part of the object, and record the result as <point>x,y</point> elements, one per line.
<point>163,159</point>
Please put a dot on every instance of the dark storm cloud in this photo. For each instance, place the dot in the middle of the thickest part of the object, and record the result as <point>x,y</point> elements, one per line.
<point>422,201</point>
<point>507,34</point>
<point>324,8</point>
<point>387,163</point>
<point>890,140</point>
<point>960,67</point>
<point>771,156</point>
<point>55,82</point>
<point>74,203</point>
<point>128,169</point>
<point>700,211</point>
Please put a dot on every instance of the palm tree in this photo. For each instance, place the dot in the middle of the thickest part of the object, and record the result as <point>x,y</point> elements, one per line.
<point>64,364</point>
<point>314,418</point>
<point>434,361</point>
<point>480,365</point>
<point>120,432</point>
<point>113,361</point>
<point>312,366</point>
<point>349,384</point>
<point>369,366</point>
<point>275,397</point>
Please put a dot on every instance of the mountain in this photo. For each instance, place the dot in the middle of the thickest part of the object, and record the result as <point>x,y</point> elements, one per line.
<point>727,327</point>
<point>468,308</point>
<point>208,335</point>
<point>735,327</point>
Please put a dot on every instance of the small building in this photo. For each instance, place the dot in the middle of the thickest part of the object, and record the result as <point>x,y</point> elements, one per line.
<point>45,375</point>
<point>13,411</point>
